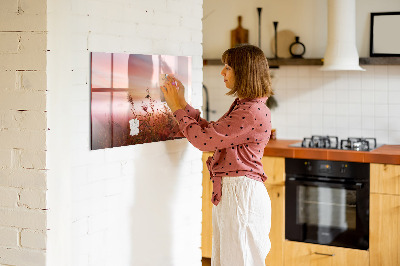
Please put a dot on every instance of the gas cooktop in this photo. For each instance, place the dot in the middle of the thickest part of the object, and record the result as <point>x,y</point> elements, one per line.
<point>332,142</point>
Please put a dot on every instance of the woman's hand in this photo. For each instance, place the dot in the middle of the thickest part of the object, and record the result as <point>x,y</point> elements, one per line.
<point>173,94</point>
<point>181,90</point>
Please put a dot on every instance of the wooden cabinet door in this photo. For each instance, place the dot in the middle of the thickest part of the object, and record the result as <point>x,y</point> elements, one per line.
<point>385,178</point>
<point>384,237</point>
<point>274,168</point>
<point>277,233</point>
<point>206,226</point>
<point>304,254</point>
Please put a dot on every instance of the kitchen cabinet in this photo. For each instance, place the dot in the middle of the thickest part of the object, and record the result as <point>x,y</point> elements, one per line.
<point>277,233</point>
<point>274,168</point>
<point>385,230</point>
<point>384,221</point>
<point>385,178</point>
<point>385,215</point>
<point>206,226</point>
<point>305,254</point>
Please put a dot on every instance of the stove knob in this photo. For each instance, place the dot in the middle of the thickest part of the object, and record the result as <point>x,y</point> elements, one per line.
<point>308,166</point>
<point>343,168</point>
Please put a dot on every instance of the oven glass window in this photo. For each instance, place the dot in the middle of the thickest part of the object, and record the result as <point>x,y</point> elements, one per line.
<point>326,207</point>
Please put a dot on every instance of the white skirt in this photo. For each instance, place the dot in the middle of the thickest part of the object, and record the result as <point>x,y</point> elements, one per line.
<point>241,223</point>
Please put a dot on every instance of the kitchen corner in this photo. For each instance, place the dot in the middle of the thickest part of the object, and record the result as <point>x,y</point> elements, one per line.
<point>342,205</point>
<point>381,195</point>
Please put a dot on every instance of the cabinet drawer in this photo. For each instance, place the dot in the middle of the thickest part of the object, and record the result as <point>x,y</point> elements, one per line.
<point>304,254</point>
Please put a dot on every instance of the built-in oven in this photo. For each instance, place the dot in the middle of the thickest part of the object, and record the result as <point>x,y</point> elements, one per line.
<point>327,202</point>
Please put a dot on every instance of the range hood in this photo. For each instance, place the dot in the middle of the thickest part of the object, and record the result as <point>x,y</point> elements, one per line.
<point>341,51</point>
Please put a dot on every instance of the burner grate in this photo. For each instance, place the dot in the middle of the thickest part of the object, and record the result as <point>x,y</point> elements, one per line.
<point>358,144</point>
<point>327,142</point>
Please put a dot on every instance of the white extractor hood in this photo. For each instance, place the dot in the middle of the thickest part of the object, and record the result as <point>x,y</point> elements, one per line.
<point>341,51</point>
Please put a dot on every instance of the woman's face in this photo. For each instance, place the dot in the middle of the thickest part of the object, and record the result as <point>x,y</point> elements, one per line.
<point>229,76</point>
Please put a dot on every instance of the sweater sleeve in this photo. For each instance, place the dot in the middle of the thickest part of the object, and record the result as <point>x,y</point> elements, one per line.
<point>230,131</point>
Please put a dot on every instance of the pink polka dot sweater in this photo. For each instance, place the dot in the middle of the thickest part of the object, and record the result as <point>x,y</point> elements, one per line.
<point>238,140</point>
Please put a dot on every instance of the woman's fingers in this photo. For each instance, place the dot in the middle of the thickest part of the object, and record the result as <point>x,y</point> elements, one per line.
<point>164,90</point>
<point>171,96</point>
<point>171,89</point>
<point>172,93</point>
<point>179,88</point>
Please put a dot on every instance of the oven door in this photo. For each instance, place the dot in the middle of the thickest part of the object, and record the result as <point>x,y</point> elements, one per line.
<point>327,213</point>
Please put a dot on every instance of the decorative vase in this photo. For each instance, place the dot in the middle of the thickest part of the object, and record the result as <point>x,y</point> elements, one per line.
<point>297,49</point>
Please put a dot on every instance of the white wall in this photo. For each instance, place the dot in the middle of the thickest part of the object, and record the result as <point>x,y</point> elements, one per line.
<point>311,102</point>
<point>135,205</point>
<point>306,19</point>
<point>23,133</point>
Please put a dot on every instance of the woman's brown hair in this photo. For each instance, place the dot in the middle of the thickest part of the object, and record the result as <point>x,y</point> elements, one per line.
<point>250,66</point>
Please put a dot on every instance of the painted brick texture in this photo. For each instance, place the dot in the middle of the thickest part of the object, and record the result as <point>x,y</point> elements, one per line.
<point>107,207</point>
<point>136,205</point>
<point>23,132</point>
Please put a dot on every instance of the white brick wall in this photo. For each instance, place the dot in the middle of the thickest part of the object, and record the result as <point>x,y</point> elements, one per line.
<point>9,237</point>
<point>33,239</point>
<point>23,132</point>
<point>136,205</point>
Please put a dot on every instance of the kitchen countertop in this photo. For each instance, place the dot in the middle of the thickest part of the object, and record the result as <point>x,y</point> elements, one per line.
<point>389,154</point>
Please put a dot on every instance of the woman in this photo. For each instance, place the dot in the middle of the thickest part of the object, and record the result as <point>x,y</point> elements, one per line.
<point>242,211</point>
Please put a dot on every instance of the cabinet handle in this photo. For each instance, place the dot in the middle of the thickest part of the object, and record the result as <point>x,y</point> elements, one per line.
<point>324,254</point>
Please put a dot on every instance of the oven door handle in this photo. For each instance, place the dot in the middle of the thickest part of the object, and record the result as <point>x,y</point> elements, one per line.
<point>357,185</point>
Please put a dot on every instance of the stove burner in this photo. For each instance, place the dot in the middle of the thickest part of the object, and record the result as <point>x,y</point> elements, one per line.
<point>358,144</point>
<point>332,142</point>
<point>328,142</point>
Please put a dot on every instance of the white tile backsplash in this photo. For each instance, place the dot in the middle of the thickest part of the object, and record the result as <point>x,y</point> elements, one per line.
<point>394,137</point>
<point>381,96</point>
<point>345,103</point>
<point>381,84</point>
<point>394,110</point>
<point>367,109</point>
<point>394,83</point>
<point>394,97</point>
<point>393,71</point>
<point>367,96</point>
<point>380,71</point>
<point>342,96</point>
<point>381,110</point>
<point>394,124</point>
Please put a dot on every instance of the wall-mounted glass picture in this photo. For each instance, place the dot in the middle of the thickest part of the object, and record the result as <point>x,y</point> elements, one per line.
<point>127,104</point>
<point>384,35</point>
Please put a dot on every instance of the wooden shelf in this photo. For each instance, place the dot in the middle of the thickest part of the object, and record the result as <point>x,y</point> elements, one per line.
<point>380,61</point>
<point>274,63</point>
